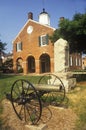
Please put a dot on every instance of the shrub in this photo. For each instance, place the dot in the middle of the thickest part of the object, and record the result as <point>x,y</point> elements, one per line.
<point>80,77</point>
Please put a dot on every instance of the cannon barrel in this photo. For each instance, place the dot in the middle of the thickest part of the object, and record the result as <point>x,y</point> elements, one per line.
<point>46,87</point>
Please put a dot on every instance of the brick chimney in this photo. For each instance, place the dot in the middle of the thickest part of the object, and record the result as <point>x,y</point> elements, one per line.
<point>61,18</point>
<point>30,15</point>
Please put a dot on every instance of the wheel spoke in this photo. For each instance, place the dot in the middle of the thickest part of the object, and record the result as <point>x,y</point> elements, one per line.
<point>31,113</point>
<point>25,113</point>
<point>26,102</point>
<point>20,111</point>
<point>56,97</point>
<point>54,80</point>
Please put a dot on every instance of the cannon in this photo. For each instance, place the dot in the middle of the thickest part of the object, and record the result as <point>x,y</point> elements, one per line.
<point>29,99</point>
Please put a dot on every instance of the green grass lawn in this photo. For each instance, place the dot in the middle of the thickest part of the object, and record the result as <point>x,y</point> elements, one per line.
<point>6,82</point>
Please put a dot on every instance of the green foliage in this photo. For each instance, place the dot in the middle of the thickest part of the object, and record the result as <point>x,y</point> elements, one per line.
<point>55,36</point>
<point>74,31</point>
<point>20,70</point>
<point>8,63</point>
<point>2,46</point>
<point>7,66</point>
<point>80,77</point>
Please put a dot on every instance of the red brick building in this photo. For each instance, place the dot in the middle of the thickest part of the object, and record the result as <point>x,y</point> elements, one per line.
<point>33,52</point>
<point>32,49</point>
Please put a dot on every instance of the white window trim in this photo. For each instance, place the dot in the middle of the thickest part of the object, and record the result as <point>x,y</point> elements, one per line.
<point>71,61</point>
<point>76,61</point>
<point>18,48</point>
<point>41,40</point>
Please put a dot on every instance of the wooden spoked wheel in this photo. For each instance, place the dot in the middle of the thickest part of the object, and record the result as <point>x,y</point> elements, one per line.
<point>54,91</point>
<point>25,101</point>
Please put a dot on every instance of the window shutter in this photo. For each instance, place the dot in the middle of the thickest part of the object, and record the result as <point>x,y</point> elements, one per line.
<point>21,46</point>
<point>47,39</point>
<point>39,41</point>
<point>43,40</point>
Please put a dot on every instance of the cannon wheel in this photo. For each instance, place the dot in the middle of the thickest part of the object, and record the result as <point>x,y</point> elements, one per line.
<point>25,101</point>
<point>52,97</point>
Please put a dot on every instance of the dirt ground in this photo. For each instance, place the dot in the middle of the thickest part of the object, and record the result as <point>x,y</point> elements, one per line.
<point>54,117</point>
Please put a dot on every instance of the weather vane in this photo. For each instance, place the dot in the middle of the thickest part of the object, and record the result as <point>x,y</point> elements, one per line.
<point>43,3</point>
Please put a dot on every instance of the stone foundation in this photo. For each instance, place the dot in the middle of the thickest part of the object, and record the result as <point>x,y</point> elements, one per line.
<point>67,79</point>
<point>38,127</point>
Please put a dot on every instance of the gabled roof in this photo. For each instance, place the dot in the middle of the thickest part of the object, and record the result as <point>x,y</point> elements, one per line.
<point>30,20</point>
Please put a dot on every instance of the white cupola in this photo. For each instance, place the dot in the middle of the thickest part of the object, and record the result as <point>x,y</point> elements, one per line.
<point>44,18</point>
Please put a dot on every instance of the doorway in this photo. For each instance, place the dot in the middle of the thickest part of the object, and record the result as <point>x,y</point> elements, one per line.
<point>44,63</point>
<point>31,64</point>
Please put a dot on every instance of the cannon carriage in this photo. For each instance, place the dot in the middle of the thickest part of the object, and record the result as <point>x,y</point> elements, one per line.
<point>29,99</point>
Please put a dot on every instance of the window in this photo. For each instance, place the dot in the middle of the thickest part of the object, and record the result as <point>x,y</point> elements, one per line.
<point>76,61</point>
<point>43,40</point>
<point>71,62</point>
<point>19,46</point>
<point>79,62</point>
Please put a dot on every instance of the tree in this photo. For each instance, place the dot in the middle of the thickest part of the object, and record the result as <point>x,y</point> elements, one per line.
<point>2,46</point>
<point>74,31</point>
<point>7,66</point>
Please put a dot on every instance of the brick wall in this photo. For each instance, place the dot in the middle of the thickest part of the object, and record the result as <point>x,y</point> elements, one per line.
<point>30,46</point>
